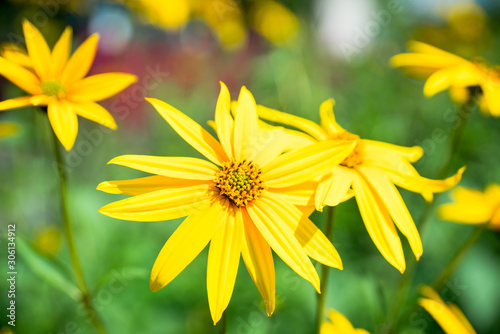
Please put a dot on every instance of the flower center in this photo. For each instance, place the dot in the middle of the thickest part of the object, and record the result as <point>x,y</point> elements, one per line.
<point>356,157</point>
<point>53,88</point>
<point>239,181</point>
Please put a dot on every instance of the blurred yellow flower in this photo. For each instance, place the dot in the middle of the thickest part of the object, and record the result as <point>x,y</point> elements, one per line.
<point>169,14</point>
<point>274,21</point>
<point>445,70</point>
<point>373,170</point>
<point>474,207</point>
<point>8,129</point>
<point>339,324</point>
<point>48,241</point>
<point>243,201</point>
<point>447,315</point>
<point>57,82</point>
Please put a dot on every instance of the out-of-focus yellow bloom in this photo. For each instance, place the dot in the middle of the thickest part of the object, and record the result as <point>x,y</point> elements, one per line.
<point>339,324</point>
<point>274,21</point>
<point>243,201</point>
<point>48,241</point>
<point>373,170</point>
<point>474,207</point>
<point>447,315</point>
<point>467,20</point>
<point>55,80</point>
<point>225,17</point>
<point>8,129</point>
<point>445,70</point>
<point>169,14</point>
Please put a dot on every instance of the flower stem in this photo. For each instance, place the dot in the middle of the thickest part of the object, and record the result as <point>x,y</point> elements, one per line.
<point>223,323</point>
<point>325,271</point>
<point>406,279</point>
<point>457,259</point>
<point>85,295</point>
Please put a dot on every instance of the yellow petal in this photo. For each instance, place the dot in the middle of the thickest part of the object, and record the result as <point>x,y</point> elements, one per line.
<point>466,213</point>
<point>314,242</point>
<point>300,194</point>
<point>492,193</point>
<point>14,103</point>
<point>38,50</point>
<point>435,62</point>
<point>145,185</point>
<point>377,150</point>
<point>461,317</point>
<point>341,323</point>
<point>64,122</point>
<point>185,244</point>
<point>80,62</point>
<point>164,204</point>
<point>378,223</point>
<point>294,139</point>
<point>395,205</point>
<point>491,91</point>
<point>60,53</point>
<point>8,129</point>
<point>282,240</point>
<point>463,75</point>
<point>41,100</point>
<point>309,127</point>
<point>100,86</point>
<point>245,127</point>
<point>421,184</point>
<point>191,132</point>
<point>270,144</point>
<point>444,316</point>
<point>420,47</point>
<point>20,77</point>
<point>223,120</point>
<point>306,163</point>
<point>223,260</point>
<point>259,262</point>
<point>333,188</point>
<point>17,56</point>
<point>328,118</point>
<point>178,167</point>
<point>94,112</point>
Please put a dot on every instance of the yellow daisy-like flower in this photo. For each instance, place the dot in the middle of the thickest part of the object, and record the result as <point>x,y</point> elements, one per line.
<point>445,70</point>
<point>373,170</point>
<point>339,324</point>
<point>242,201</point>
<point>448,315</point>
<point>55,80</point>
<point>474,207</point>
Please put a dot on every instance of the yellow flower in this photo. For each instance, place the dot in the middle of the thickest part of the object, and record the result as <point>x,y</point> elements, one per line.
<point>474,207</point>
<point>274,21</point>
<point>373,170</point>
<point>57,82</point>
<point>8,129</point>
<point>445,70</point>
<point>339,324</point>
<point>448,315</point>
<point>242,201</point>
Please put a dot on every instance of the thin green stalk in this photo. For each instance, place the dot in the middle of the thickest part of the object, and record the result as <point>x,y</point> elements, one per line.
<point>457,259</point>
<point>77,268</point>
<point>325,272</point>
<point>223,323</point>
<point>405,281</point>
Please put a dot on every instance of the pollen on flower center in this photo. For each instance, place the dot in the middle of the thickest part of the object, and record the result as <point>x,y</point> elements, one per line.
<point>53,88</point>
<point>239,181</point>
<point>356,157</point>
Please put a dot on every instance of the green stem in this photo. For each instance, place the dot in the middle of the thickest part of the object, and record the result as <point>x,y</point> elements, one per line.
<point>77,268</point>
<point>457,259</point>
<point>223,323</point>
<point>325,272</point>
<point>405,281</point>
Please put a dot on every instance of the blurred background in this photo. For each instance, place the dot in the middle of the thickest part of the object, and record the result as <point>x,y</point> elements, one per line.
<point>292,55</point>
